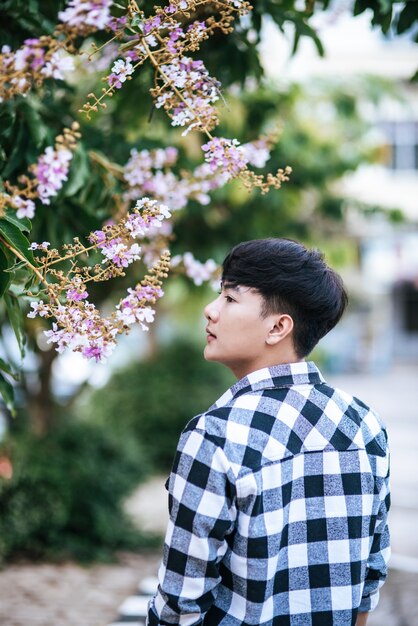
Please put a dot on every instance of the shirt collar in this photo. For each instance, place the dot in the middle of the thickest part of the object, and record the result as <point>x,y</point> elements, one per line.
<point>285,375</point>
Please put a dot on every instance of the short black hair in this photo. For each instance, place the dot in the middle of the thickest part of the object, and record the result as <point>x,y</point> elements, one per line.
<point>291,279</point>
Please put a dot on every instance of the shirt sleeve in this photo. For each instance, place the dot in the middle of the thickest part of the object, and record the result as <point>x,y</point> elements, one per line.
<point>377,565</point>
<point>202,513</point>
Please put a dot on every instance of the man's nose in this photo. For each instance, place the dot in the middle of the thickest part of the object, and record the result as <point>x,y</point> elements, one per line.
<point>211,311</point>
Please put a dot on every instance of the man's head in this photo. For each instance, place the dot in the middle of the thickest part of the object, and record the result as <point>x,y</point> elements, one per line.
<point>289,293</point>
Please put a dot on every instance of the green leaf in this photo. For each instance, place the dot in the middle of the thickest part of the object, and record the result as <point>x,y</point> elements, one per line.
<point>7,118</point>
<point>5,276</point>
<point>360,6</point>
<point>136,21</point>
<point>23,223</point>
<point>303,29</point>
<point>384,20</point>
<point>385,6</point>
<point>7,393</point>
<point>7,368</point>
<point>13,235</point>
<point>14,314</point>
<point>19,148</point>
<point>37,128</point>
<point>407,17</point>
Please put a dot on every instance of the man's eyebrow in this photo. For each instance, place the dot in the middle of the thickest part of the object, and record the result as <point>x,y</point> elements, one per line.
<point>231,286</point>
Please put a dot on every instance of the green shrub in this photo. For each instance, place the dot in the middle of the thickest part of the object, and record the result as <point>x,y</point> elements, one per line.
<point>65,496</point>
<point>152,401</point>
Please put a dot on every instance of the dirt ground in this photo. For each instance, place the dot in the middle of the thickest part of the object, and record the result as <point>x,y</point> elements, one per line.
<point>69,594</point>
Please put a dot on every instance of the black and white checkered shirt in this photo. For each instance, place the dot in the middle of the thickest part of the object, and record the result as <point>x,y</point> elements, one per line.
<point>278,503</point>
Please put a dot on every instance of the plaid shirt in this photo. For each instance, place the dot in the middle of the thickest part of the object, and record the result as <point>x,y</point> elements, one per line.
<point>278,503</point>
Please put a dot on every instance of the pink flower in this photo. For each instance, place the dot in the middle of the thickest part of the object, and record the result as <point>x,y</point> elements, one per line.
<point>199,91</point>
<point>87,15</point>
<point>197,271</point>
<point>119,253</point>
<point>26,208</point>
<point>117,23</point>
<point>52,171</point>
<point>256,152</point>
<point>98,236</point>
<point>225,154</point>
<point>74,294</point>
<point>95,351</point>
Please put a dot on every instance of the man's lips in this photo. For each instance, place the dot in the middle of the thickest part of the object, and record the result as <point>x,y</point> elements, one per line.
<point>210,335</point>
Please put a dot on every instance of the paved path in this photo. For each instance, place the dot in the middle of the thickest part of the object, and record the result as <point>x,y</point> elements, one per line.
<point>394,395</point>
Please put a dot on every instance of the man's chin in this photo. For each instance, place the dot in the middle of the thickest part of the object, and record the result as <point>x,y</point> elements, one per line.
<point>209,353</point>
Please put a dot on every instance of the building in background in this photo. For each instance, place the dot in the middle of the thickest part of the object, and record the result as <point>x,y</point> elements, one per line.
<point>382,325</point>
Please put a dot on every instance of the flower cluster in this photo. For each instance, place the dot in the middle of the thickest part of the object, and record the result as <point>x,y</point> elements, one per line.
<point>187,94</point>
<point>183,86</point>
<point>78,324</point>
<point>132,309</point>
<point>47,57</point>
<point>36,60</point>
<point>47,176</point>
<point>51,171</point>
<point>197,271</point>
<point>86,16</point>
<point>257,152</point>
<point>150,172</point>
<point>231,158</point>
<point>224,154</point>
<point>80,327</point>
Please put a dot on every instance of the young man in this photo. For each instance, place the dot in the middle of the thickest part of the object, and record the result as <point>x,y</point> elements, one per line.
<point>279,492</point>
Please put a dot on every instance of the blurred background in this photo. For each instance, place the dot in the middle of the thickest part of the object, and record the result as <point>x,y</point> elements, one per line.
<point>337,88</point>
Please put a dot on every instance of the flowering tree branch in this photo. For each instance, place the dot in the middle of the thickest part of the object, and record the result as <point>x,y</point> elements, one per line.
<point>185,90</point>
<point>78,324</point>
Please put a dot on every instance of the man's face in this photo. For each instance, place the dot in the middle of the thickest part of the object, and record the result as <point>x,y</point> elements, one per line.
<point>236,331</point>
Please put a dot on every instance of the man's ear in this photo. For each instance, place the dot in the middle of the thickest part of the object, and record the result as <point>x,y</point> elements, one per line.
<point>281,327</point>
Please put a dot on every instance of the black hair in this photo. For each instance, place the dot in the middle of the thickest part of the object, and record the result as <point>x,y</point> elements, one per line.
<point>291,279</point>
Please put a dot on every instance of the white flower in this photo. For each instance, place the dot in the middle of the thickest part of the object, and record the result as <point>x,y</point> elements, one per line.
<point>135,250</point>
<point>25,208</point>
<point>38,309</point>
<point>161,100</point>
<point>58,64</point>
<point>122,69</point>
<point>126,315</point>
<point>151,40</point>
<point>197,271</point>
<point>256,153</point>
<point>20,57</point>
<point>165,211</point>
